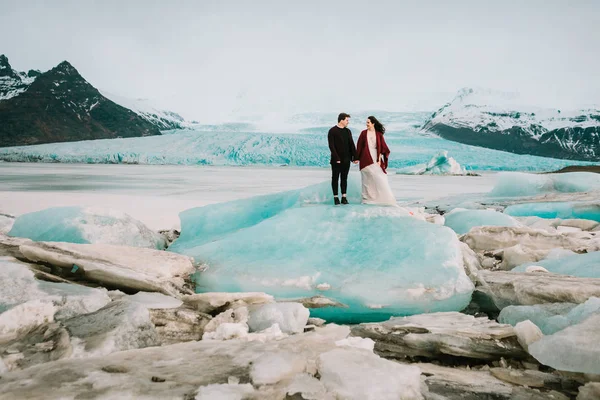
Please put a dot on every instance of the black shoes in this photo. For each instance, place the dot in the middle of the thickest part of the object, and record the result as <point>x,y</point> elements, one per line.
<point>344,200</point>
<point>336,201</point>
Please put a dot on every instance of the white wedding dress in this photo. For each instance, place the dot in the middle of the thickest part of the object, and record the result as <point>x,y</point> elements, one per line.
<point>375,186</point>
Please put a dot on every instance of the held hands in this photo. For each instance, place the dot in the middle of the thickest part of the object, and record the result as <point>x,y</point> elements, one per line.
<point>355,161</point>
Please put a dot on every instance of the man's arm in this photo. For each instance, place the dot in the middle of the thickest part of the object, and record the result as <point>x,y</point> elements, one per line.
<point>352,146</point>
<point>334,154</point>
<point>359,147</point>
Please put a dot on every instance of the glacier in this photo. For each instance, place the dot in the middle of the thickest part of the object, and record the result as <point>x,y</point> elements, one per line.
<point>440,164</point>
<point>519,184</point>
<point>376,261</point>
<point>582,265</point>
<point>85,225</point>
<point>243,148</point>
<point>553,317</point>
<point>461,220</point>
<point>562,210</point>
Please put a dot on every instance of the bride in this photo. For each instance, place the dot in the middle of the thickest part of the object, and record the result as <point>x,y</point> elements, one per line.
<point>373,154</point>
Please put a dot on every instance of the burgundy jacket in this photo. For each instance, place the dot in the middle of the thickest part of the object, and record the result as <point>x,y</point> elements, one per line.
<point>363,155</point>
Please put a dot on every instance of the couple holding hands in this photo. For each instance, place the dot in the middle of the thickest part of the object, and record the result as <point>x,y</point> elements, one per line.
<point>371,153</point>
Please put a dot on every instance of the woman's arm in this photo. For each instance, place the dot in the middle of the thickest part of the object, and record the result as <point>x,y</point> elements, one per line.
<point>384,154</point>
<point>359,145</point>
<point>385,150</point>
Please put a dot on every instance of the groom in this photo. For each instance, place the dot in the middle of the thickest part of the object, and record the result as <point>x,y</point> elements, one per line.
<point>343,152</point>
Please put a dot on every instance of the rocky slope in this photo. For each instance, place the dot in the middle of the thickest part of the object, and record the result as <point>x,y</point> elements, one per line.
<point>61,106</point>
<point>498,121</point>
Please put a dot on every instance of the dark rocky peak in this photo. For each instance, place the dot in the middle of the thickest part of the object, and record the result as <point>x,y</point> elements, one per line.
<point>65,75</point>
<point>65,68</point>
<point>34,73</point>
<point>4,62</point>
<point>5,68</point>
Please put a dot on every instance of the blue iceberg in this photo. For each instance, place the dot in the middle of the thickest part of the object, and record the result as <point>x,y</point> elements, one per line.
<point>206,224</point>
<point>562,210</point>
<point>378,261</point>
<point>553,317</point>
<point>570,341</point>
<point>575,348</point>
<point>517,184</point>
<point>462,220</point>
<point>582,265</point>
<point>440,164</point>
<point>86,225</point>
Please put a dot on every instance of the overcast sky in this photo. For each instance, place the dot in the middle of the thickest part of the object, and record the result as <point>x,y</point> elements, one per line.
<point>210,58</point>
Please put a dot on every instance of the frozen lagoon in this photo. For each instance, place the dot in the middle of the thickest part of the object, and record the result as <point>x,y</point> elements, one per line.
<point>156,194</point>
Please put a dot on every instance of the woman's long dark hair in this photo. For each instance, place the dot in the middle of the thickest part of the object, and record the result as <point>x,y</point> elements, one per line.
<point>378,125</point>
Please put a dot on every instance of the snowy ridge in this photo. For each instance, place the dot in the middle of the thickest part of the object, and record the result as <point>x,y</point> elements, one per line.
<point>13,83</point>
<point>164,120</point>
<point>500,111</point>
<point>504,121</point>
<point>11,87</point>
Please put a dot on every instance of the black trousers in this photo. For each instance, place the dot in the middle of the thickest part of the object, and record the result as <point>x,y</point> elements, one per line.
<point>338,170</point>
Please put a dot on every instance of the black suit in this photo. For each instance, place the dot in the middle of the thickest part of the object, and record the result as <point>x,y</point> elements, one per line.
<point>343,151</point>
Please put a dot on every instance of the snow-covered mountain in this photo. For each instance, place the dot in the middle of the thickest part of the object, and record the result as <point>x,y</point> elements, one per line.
<point>500,121</point>
<point>59,105</point>
<point>13,83</point>
<point>163,120</point>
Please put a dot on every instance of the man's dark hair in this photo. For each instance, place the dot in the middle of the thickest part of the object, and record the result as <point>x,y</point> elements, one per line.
<point>343,116</point>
